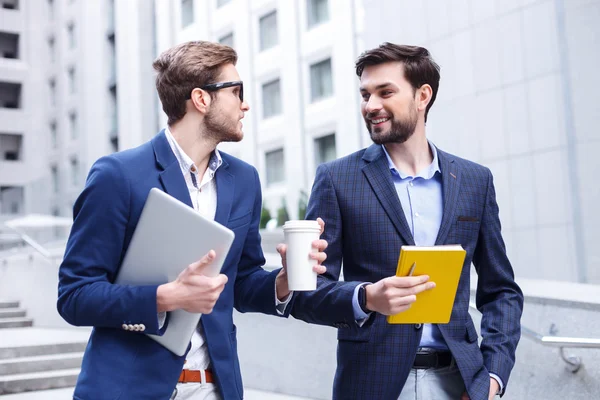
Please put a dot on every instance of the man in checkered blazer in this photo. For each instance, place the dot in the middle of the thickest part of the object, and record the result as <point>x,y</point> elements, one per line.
<point>402,190</point>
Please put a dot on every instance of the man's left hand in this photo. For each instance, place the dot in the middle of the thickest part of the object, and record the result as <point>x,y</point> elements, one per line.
<point>494,389</point>
<point>281,281</point>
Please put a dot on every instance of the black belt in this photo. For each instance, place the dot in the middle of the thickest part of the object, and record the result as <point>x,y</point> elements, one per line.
<point>431,358</point>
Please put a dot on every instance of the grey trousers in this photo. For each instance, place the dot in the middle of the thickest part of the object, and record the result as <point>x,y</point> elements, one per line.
<point>433,384</point>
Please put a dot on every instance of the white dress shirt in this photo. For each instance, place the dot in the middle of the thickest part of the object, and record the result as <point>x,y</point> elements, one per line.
<point>203,193</point>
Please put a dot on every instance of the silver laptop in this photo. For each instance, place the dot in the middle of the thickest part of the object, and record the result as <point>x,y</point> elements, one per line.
<point>169,236</point>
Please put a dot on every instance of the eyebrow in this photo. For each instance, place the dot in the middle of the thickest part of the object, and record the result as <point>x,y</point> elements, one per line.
<point>378,87</point>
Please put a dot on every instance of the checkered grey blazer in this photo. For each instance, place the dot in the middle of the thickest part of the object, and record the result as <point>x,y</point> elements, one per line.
<point>365,227</point>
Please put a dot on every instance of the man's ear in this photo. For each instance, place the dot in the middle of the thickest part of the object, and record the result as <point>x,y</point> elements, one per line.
<point>201,100</point>
<point>423,95</point>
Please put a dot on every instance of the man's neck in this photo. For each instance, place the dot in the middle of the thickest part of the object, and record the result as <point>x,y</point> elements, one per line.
<point>412,156</point>
<point>194,143</point>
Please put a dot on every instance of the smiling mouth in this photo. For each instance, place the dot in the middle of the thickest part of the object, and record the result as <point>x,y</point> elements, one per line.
<point>378,121</point>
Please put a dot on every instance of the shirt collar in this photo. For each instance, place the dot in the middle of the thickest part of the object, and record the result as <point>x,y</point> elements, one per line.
<point>185,162</point>
<point>427,173</point>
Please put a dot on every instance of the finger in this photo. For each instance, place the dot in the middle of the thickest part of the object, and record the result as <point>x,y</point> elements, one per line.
<point>322,225</point>
<point>320,269</point>
<point>320,244</point>
<point>407,281</point>
<point>199,265</point>
<point>320,257</point>
<point>221,280</point>
<point>282,250</point>
<point>465,396</point>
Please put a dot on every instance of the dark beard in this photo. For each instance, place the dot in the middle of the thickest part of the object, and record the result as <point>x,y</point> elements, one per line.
<point>221,130</point>
<point>400,131</point>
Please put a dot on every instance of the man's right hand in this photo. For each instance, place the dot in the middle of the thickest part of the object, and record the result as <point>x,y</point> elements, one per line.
<point>395,294</point>
<point>192,291</point>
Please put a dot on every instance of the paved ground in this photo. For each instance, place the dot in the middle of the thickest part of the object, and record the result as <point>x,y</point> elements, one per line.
<point>64,394</point>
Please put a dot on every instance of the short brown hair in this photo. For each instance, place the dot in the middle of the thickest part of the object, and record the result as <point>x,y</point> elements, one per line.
<point>419,67</point>
<point>185,67</point>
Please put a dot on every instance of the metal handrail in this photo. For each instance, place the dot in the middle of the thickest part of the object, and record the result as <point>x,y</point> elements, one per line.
<point>32,243</point>
<point>574,363</point>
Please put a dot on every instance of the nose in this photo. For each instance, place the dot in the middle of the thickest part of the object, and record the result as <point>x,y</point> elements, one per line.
<point>245,106</point>
<point>373,105</point>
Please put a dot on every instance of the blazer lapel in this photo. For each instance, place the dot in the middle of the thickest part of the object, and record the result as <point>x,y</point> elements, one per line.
<point>450,185</point>
<point>225,189</point>
<point>378,174</point>
<point>171,177</point>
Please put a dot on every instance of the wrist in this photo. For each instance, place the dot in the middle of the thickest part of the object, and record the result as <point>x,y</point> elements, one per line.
<point>166,299</point>
<point>281,285</point>
<point>363,298</point>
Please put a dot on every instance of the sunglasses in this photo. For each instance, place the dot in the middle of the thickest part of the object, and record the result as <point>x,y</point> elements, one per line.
<point>213,87</point>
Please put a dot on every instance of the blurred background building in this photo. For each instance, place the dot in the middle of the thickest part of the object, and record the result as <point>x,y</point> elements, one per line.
<point>518,94</point>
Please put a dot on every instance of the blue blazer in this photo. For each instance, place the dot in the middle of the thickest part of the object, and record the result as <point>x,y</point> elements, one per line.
<point>365,227</point>
<point>121,364</point>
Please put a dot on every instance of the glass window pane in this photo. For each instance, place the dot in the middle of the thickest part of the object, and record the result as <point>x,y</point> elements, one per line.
<point>268,31</point>
<point>274,166</point>
<point>325,149</point>
<point>321,82</point>
<point>317,12</point>
<point>227,40</point>
<point>187,12</point>
<point>271,96</point>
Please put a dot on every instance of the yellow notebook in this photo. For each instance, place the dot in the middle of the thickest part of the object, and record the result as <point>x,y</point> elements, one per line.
<point>443,264</point>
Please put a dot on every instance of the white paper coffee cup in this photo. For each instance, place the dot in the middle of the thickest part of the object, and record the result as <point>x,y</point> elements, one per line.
<point>299,236</point>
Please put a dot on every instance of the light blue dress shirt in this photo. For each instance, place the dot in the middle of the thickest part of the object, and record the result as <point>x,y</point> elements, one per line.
<point>422,201</point>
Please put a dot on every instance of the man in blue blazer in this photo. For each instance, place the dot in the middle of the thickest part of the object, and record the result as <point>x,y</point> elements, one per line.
<point>402,190</point>
<point>202,95</point>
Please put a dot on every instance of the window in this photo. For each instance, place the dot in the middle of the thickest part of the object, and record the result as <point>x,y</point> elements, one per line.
<point>227,40</point>
<point>53,135</point>
<point>271,99</point>
<point>321,84</point>
<point>325,149</point>
<point>73,125</point>
<point>54,172</point>
<point>268,31</point>
<point>10,95</point>
<point>317,12</point>
<point>52,87</point>
<point>71,35</point>
<point>74,171</point>
<point>221,3</point>
<point>51,49</point>
<point>187,12</point>
<point>275,167</point>
<point>72,80</point>
<point>10,4</point>
<point>10,146</point>
<point>9,45</point>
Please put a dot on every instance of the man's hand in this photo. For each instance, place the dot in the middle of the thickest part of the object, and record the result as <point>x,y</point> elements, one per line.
<point>192,291</point>
<point>281,282</point>
<point>394,294</point>
<point>494,389</point>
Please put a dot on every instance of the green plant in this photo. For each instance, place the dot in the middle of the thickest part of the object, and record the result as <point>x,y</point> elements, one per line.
<point>265,216</point>
<point>282,214</point>
<point>302,203</point>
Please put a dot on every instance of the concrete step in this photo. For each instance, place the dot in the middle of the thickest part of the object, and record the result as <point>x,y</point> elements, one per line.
<point>12,312</point>
<point>15,322</point>
<point>24,365</point>
<point>8,304</point>
<point>41,350</point>
<point>18,383</point>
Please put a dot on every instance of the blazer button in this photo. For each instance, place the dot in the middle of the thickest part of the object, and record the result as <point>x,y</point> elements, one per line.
<point>142,327</point>
<point>136,327</point>
<point>418,326</point>
<point>130,327</point>
<point>125,327</point>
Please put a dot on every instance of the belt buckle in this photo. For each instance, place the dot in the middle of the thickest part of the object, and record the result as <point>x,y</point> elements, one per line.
<point>429,354</point>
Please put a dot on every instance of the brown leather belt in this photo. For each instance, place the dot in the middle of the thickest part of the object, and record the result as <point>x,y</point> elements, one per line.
<point>193,376</point>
